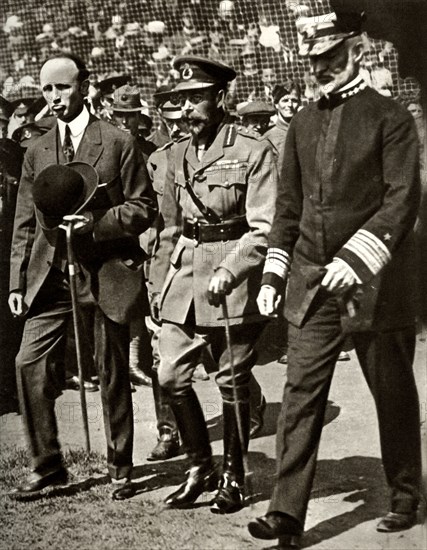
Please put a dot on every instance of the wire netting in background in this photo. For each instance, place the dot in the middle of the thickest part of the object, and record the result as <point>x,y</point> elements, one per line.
<point>141,37</point>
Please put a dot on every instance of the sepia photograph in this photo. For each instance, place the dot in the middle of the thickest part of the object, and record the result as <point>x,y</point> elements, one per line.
<point>213,268</point>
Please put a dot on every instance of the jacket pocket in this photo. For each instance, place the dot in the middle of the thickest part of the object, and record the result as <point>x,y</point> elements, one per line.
<point>227,188</point>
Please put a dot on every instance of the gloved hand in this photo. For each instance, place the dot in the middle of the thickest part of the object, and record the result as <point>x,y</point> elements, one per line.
<point>155,306</point>
<point>221,283</point>
<point>16,303</point>
<point>268,300</point>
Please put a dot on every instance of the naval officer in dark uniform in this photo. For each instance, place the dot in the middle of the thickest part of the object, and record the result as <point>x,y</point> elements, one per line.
<point>343,237</point>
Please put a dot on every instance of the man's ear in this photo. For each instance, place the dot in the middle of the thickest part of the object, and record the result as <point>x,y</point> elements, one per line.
<point>358,51</point>
<point>84,87</point>
<point>220,96</point>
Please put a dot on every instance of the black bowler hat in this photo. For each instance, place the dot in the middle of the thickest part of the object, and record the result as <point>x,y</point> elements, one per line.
<point>63,189</point>
<point>200,72</point>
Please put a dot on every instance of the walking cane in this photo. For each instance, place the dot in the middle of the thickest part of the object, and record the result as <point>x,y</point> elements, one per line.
<point>69,227</point>
<point>243,449</point>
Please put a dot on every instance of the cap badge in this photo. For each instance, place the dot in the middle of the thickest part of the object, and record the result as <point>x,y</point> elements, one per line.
<point>124,97</point>
<point>186,72</point>
<point>27,134</point>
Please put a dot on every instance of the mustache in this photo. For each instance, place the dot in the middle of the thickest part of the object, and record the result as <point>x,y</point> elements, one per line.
<point>192,118</point>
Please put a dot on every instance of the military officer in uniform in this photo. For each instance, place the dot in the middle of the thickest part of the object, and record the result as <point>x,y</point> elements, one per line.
<point>344,223</point>
<point>218,203</point>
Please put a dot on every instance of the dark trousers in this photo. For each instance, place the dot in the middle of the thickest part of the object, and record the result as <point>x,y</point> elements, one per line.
<point>386,360</point>
<point>40,378</point>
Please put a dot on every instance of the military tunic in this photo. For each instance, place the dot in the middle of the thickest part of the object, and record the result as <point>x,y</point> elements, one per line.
<point>236,179</point>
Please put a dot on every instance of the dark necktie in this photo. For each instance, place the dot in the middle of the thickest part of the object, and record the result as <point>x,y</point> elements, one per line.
<point>67,146</point>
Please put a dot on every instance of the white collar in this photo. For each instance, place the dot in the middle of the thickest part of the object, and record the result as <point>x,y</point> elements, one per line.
<point>77,125</point>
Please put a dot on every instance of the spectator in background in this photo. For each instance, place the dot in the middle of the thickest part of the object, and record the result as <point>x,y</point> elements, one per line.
<point>168,439</point>
<point>256,116</point>
<point>269,79</point>
<point>106,88</point>
<point>6,110</point>
<point>247,86</point>
<point>381,78</point>
<point>287,100</point>
<point>171,124</point>
<point>128,117</point>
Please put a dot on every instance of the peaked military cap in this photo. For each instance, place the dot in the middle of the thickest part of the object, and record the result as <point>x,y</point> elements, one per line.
<point>201,72</point>
<point>321,33</point>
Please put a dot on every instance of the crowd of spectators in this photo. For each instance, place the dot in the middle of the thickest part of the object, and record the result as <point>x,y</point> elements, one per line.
<point>141,39</point>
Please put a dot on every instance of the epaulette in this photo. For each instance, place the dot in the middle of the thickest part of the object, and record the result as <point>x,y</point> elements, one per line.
<point>230,135</point>
<point>248,132</point>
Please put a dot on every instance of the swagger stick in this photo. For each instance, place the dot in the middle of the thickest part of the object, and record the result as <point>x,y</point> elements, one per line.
<point>236,401</point>
<point>69,227</point>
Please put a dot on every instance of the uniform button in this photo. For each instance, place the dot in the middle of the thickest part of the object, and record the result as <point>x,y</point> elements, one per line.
<point>226,183</point>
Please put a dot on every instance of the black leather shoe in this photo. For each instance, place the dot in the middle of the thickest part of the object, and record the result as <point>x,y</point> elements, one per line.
<point>72,383</point>
<point>123,491</point>
<point>274,526</point>
<point>200,479</point>
<point>167,447</point>
<point>229,498</point>
<point>138,377</point>
<point>393,522</point>
<point>257,418</point>
<point>37,482</point>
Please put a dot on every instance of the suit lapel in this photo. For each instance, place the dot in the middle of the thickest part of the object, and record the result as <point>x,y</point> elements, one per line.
<point>90,147</point>
<point>50,155</point>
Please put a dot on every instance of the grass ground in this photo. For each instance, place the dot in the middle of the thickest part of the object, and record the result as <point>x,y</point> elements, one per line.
<point>82,515</point>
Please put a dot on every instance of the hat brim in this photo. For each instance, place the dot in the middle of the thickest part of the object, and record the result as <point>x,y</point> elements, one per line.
<point>90,181</point>
<point>127,109</point>
<point>172,115</point>
<point>194,86</point>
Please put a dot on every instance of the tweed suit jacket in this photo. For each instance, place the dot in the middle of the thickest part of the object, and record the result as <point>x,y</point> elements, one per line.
<point>350,189</point>
<point>124,206</point>
<point>236,177</point>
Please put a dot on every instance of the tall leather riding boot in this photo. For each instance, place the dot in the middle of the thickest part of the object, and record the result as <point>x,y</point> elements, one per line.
<point>230,496</point>
<point>258,405</point>
<point>168,439</point>
<point>202,475</point>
